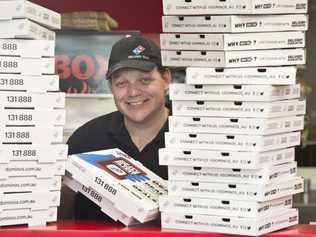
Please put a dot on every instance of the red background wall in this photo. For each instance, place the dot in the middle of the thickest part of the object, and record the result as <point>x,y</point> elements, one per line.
<point>142,15</point>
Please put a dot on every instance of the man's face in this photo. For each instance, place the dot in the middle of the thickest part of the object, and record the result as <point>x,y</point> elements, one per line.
<point>138,95</point>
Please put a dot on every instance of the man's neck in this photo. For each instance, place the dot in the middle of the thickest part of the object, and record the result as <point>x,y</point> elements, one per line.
<point>142,134</point>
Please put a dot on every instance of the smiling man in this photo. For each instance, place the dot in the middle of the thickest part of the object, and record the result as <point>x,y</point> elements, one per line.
<point>139,85</point>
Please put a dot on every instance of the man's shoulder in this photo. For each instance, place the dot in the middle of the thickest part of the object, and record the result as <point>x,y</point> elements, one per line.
<point>94,132</point>
<point>102,123</point>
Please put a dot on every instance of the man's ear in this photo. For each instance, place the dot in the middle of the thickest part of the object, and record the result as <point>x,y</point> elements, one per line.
<point>167,76</point>
<point>110,84</point>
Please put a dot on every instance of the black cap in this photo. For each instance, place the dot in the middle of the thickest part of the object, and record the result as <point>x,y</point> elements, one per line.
<point>134,52</point>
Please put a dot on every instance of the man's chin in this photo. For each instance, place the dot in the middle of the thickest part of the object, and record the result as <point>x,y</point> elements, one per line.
<point>137,118</point>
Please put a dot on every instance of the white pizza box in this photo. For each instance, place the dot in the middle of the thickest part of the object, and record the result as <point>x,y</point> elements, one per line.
<point>141,213</point>
<point>23,28</point>
<point>34,135</point>
<point>234,23</point>
<point>242,109</point>
<point>105,205</point>
<point>47,100</point>
<point>236,191</point>
<point>182,91</point>
<point>229,225</point>
<point>250,126</point>
<point>34,201</point>
<point>233,76</point>
<point>27,66</point>
<point>248,58</point>
<point>230,42</point>
<point>25,9</point>
<point>121,179</point>
<point>223,207</point>
<point>32,169</point>
<point>18,82</point>
<point>30,184</point>
<point>225,159</point>
<point>34,117</point>
<point>212,141</point>
<point>27,48</point>
<point>257,176</point>
<point>40,153</point>
<point>28,216</point>
<point>215,7</point>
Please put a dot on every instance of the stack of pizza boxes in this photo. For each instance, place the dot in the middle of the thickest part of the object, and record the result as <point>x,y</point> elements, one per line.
<point>122,187</point>
<point>32,156</point>
<point>237,118</point>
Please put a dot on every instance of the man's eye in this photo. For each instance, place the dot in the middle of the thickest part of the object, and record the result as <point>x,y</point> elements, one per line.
<point>120,83</point>
<point>146,80</point>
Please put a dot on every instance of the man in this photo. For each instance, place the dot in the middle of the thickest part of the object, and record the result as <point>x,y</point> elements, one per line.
<point>139,85</point>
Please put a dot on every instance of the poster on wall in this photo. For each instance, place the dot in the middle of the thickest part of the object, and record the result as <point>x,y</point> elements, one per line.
<point>82,59</point>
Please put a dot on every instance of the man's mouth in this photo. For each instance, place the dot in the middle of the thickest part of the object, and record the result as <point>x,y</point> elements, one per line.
<point>134,103</point>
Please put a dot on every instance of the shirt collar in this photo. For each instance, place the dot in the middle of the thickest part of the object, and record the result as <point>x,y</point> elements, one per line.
<point>117,125</point>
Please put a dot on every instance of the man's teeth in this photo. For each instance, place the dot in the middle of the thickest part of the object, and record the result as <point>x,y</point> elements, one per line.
<point>136,103</point>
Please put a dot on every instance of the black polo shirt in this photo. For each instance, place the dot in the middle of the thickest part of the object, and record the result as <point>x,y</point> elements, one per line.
<point>107,132</point>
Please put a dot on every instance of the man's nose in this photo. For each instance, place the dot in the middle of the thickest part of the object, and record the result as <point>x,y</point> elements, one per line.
<point>133,89</point>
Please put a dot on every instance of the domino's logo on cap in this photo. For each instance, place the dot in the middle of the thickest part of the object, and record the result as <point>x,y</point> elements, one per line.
<point>138,50</point>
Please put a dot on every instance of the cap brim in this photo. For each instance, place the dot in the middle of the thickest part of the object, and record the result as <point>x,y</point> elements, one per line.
<point>132,64</point>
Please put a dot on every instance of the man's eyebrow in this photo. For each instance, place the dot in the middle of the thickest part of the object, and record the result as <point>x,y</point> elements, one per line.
<point>144,75</point>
